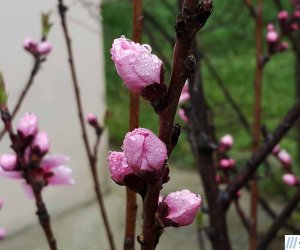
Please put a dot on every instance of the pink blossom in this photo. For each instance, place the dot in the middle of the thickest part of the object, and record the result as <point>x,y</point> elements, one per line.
<point>28,125</point>
<point>91,118</point>
<point>182,115</point>
<point>144,150</point>
<point>272,36</point>
<point>270,27</point>
<point>283,15</point>
<point>285,158</point>
<point>55,172</point>
<point>227,163</point>
<point>44,48</point>
<point>183,206</point>
<point>226,142</point>
<point>290,179</point>
<point>28,190</point>
<point>297,14</point>
<point>30,45</point>
<point>294,26</point>
<point>8,162</point>
<point>118,166</point>
<point>11,174</point>
<point>61,175</point>
<point>41,142</point>
<point>3,233</point>
<point>135,64</point>
<point>185,94</point>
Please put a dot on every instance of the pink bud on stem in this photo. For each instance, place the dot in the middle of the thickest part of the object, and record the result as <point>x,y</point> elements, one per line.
<point>285,158</point>
<point>41,143</point>
<point>135,64</point>
<point>144,150</point>
<point>28,125</point>
<point>182,207</point>
<point>290,179</point>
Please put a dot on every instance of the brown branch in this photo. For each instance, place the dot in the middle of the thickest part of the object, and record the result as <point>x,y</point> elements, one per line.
<point>131,204</point>
<point>36,66</point>
<point>44,218</point>
<point>257,119</point>
<point>259,156</point>
<point>279,221</point>
<point>242,216</point>
<point>191,18</point>
<point>62,12</point>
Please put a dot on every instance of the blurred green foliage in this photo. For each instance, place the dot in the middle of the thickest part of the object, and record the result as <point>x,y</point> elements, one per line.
<point>228,41</point>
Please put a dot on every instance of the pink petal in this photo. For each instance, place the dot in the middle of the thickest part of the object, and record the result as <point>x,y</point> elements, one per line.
<point>28,190</point>
<point>11,174</point>
<point>62,175</point>
<point>53,161</point>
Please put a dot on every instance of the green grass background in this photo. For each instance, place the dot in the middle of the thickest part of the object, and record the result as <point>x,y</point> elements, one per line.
<point>228,40</point>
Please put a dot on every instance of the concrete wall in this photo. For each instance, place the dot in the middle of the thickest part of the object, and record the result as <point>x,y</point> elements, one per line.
<point>52,99</point>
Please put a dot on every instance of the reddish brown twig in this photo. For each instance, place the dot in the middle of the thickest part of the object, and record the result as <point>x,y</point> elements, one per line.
<point>62,12</point>
<point>131,205</point>
<point>36,66</point>
<point>261,154</point>
<point>191,18</point>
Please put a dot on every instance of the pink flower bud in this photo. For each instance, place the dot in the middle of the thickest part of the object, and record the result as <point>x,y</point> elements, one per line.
<point>218,178</point>
<point>144,150</point>
<point>283,15</point>
<point>44,48</point>
<point>8,162</point>
<point>276,150</point>
<point>28,125</point>
<point>41,143</point>
<point>226,143</point>
<point>283,47</point>
<point>294,26</point>
<point>185,94</point>
<point>1,203</point>
<point>272,36</point>
<point>30,45</point>
<point>290,179</point>
<point>182,115</point>
<point>3,233</point>
<point>297,14</point>
<point>135,64</point>
<point>182,208</point>
<point>270,27</point>
<point>118,166</point>
<point>227,163</point>
<point>91,118</point>
<point>285,158</point>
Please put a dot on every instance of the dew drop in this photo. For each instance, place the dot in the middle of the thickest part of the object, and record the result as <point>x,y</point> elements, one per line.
<point>147,47</point>
<point>122,36</point>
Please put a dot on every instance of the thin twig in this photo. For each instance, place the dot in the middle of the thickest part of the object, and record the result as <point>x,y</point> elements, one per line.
<point>36,66</point>
<point>257,119</point>
<point>131,203</point>
<point>62,12</point>
<point>246,173</point>
<point>279,221</point>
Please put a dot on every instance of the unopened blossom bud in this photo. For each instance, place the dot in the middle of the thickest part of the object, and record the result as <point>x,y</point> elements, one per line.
<point>118,166</point>
<point>283,47</point>
<point>283,15</point>
<point>3,233</point>
<point>285,158</point>
<point>8,162</point>
<point>135,64</point>
<point>30,45</point>
<point>226,142</point>
<point>294,26</point>
<point>182,207</point>
<point>44,48</point>
<point>182,115</point>
<point>290,179</point>
<point>91,118</point>
<point>227,163</point>
<point>185,94</point>
<point>41,143</point>
<point>270,27</point>
<point>28,125</point>
<point>296,14</point>
<point>272,36</point>
<point>276,150</point>
<point>144,150</point>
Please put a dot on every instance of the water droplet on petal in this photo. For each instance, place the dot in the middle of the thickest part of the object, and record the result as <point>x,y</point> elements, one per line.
<point>147,47</point>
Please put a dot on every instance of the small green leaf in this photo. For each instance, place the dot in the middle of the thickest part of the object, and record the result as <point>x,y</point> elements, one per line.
<point>199,218</point>
<point>3,96</point>
<point>46,24</point>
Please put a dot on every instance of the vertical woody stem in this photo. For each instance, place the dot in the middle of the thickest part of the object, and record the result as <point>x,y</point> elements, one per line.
<point>131,206</point>
<point>257,120</point>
